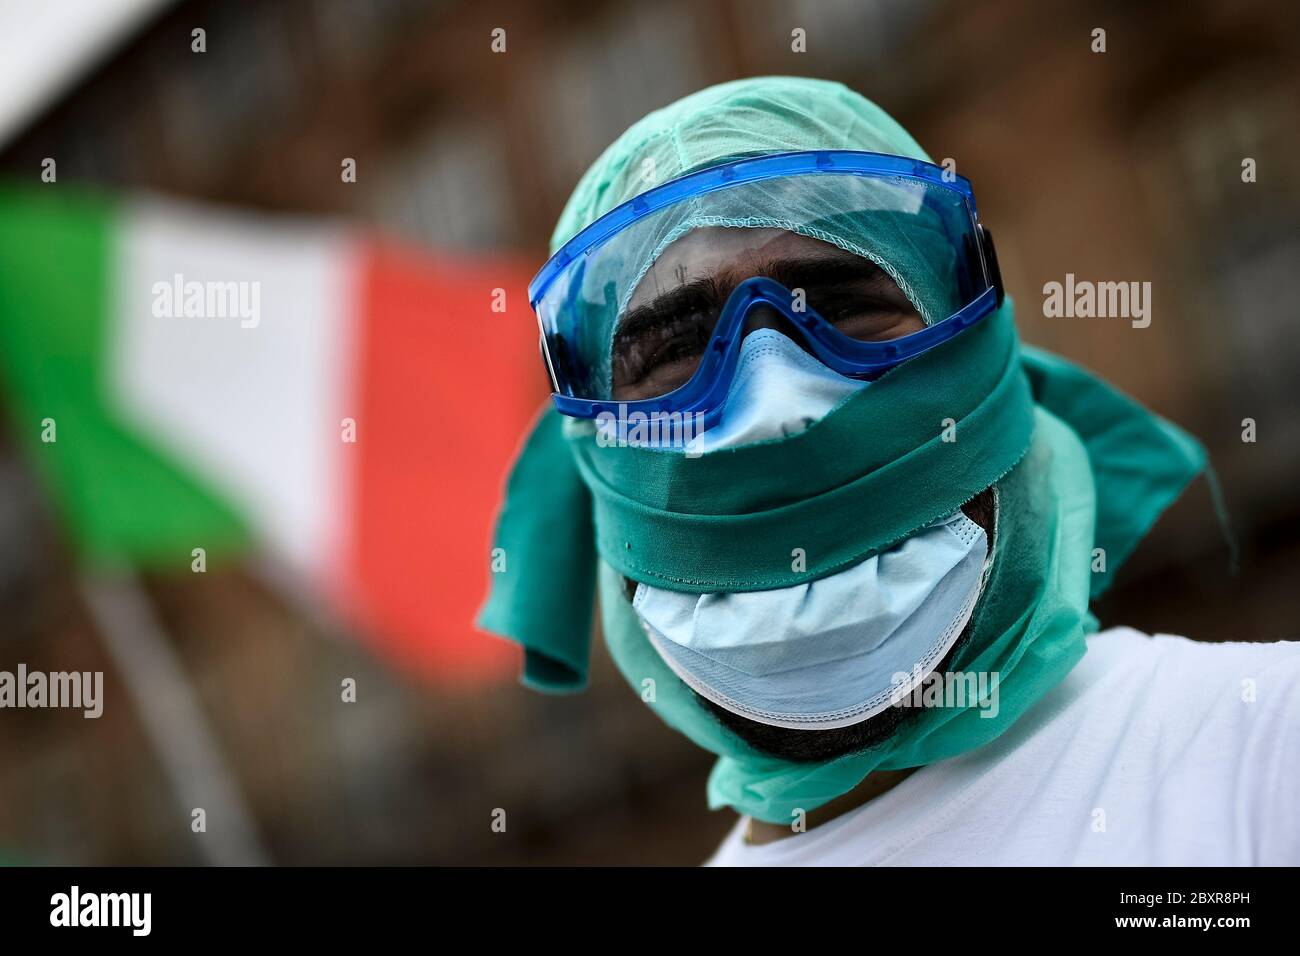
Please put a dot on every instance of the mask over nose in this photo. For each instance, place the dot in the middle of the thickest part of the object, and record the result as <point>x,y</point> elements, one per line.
<point>778,390</point>
<point>825,653</point>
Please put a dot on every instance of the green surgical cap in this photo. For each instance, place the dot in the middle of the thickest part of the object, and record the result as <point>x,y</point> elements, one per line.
<point>730,121</point>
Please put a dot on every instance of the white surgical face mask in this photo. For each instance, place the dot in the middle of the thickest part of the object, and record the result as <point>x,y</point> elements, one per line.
<point>826,653</point>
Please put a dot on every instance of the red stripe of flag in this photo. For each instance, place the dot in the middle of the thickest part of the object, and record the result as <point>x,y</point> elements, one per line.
<point>444,389</point>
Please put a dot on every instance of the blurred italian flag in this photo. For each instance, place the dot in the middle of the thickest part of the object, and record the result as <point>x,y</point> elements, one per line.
<point>252,385</point>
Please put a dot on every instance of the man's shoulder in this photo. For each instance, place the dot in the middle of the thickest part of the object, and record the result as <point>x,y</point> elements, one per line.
<point>1183,686</point>
<point>1135,650</point>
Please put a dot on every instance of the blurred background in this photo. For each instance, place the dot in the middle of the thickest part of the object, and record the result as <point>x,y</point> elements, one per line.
<point>1116,166</point>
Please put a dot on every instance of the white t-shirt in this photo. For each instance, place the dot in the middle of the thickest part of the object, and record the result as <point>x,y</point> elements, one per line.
<point>1154,751</point>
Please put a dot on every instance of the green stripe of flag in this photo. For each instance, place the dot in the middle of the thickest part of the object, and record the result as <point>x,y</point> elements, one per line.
<point>120,496</point>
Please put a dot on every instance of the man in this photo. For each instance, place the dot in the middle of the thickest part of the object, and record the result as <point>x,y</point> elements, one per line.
<point>845,529</point>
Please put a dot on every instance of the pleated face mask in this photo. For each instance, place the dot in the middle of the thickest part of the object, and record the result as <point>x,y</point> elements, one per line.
<point>832,652</point>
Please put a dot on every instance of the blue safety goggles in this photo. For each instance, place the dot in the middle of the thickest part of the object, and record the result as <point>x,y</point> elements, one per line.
<point>867,259</point>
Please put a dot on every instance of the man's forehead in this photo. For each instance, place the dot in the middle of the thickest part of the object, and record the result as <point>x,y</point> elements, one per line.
<point>717,251</point>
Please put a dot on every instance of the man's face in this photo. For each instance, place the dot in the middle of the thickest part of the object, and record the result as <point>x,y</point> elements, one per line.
<point>664,331</point>
<point>671,313</point>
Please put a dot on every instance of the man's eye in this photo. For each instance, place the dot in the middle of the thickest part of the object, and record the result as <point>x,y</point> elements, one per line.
<point>675,349</point>
<point>871,318</point>
<point>661,359</point>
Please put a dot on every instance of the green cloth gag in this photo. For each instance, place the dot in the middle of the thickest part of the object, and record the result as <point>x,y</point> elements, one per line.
<point>1028,629</point>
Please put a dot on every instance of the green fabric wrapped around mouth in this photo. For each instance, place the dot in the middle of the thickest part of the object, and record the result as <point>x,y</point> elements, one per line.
<point>1079,470</point>
<point>1028,630</point>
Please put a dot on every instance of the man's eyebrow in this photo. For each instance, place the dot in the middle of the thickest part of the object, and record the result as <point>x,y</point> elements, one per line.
<point>832,267</point>
<point>701,293</point>
<point>822,269</point>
